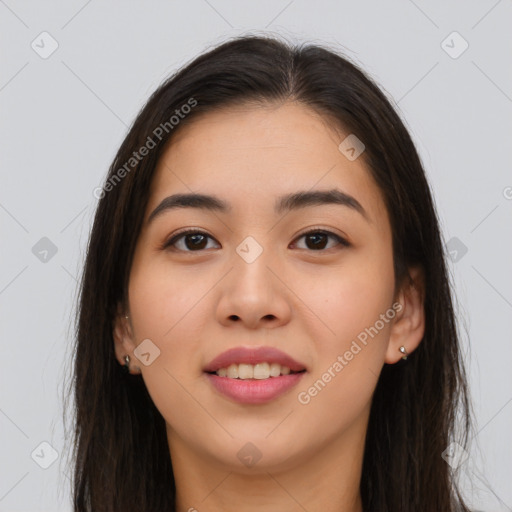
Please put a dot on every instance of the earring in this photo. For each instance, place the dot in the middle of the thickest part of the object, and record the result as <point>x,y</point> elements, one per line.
<point>126,366</point>
<point>402,349</point>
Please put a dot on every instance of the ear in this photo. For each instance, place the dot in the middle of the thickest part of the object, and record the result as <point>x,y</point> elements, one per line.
<point>409,324</point>
<point>124,340</point>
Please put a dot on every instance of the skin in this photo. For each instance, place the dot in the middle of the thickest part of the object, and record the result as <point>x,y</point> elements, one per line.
<point>310,303</point>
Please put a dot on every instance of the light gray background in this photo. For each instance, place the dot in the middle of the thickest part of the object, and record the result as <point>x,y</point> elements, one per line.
<point>63,118</point>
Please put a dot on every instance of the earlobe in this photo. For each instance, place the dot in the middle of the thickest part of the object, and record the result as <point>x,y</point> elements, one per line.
<point>123,336</point>
<point>409,324</point>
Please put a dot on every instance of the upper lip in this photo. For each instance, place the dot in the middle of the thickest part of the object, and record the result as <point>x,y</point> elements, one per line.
<point>253,355</point>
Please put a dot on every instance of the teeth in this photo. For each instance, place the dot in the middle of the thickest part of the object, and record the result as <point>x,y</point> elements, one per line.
<point>261,371</point>
<point>275,370</point>
<point>245,371</point>
<point>233,371</point>
<point>258,371</point>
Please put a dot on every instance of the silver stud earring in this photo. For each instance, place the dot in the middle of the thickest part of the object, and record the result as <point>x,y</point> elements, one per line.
<point>402,349</point>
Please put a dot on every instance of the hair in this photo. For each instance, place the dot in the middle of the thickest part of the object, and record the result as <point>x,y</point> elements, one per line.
<point>121,456</point>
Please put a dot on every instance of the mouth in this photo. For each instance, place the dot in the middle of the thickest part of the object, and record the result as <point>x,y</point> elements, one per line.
<point>253,375</point>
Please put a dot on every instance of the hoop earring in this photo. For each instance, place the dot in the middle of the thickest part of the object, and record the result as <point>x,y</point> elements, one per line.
<point>402,349</point>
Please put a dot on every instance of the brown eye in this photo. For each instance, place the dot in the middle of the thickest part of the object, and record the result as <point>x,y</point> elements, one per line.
<point>189,241</point>
<point>316,240</point>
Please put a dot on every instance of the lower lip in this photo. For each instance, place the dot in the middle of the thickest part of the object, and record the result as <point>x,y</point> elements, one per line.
<point>254,391</point>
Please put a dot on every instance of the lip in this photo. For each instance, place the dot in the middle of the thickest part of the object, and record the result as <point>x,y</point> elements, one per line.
<point>253,355</point>
<point>254,391</point>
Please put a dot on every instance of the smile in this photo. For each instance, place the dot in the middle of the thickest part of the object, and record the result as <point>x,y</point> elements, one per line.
<point>258,371</point>
<point>253,375</point>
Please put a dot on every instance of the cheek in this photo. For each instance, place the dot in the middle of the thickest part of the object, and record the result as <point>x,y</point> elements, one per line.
<point>166,308</point>
<point>355,306</point>
<point>351,297</point>
<point>160,296</point>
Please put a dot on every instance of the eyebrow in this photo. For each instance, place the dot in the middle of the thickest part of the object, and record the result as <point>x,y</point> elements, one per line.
<point>283,204</point>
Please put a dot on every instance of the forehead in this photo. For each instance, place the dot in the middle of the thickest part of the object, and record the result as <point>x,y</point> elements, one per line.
<point>251,155</point>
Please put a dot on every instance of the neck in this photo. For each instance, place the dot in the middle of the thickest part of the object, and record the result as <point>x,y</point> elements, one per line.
<point>327,480</point>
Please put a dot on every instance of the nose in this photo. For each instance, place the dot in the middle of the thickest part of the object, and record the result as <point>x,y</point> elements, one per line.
<point>255,293</point>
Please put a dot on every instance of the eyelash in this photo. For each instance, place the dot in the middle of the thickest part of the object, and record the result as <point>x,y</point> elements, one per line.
<point>189,231</point>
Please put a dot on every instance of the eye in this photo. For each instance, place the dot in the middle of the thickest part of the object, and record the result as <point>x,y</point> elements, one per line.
<point>193,240</point>
<point>190,240</point>
<point>316,239</point>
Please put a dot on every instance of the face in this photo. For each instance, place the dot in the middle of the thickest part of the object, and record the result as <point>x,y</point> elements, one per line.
<point>249,276</point>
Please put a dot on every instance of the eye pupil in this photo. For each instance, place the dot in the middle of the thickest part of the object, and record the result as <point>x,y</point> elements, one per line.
<point>196,240</point>
<point>316,241</point>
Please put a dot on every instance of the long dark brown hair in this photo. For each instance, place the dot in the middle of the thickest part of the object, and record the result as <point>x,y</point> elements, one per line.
<point>121,460</point>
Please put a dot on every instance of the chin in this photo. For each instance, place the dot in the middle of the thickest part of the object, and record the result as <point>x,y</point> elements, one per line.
<point>257,453</point>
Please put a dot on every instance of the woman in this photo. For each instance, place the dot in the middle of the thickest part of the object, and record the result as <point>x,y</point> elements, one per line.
<point>266,266</point>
